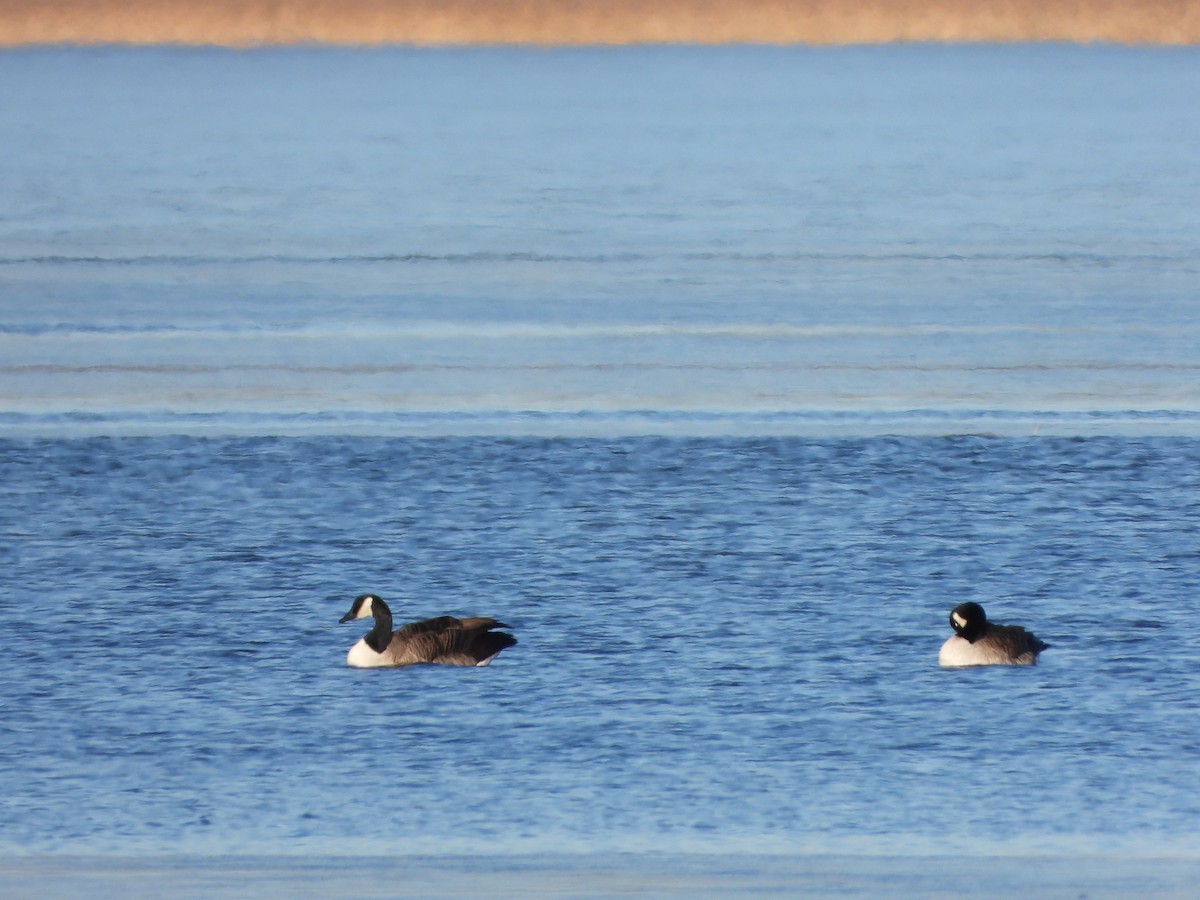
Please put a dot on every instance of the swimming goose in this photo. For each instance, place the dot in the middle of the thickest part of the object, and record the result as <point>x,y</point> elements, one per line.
<point>445,640</point>
<point>978,642</point>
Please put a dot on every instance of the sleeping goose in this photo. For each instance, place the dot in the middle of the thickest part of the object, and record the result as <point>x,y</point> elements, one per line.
<point>445,640</point>
<point>978,642</point>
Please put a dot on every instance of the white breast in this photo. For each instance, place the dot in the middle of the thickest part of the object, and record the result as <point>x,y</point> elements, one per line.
<point>362,656</point>
<point>961,652</point>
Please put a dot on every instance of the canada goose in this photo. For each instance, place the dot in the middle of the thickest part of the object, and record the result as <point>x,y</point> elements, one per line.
<point>978,642</point>
<point>445,640</point>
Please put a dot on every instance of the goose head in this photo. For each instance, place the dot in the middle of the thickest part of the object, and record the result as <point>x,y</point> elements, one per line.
<point>969,621</point>
<point>366,606</point>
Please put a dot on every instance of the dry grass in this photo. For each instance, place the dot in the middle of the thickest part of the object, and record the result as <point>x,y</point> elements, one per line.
<point>574,22</point>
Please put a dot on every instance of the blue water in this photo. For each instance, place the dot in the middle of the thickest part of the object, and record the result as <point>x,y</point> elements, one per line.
<point>724,643</point>
<point>693,241</point>
<point>721,375</point>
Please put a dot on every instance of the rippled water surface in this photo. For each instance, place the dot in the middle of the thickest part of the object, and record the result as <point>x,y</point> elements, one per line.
<point>647,240</point>
<point>724,643</point>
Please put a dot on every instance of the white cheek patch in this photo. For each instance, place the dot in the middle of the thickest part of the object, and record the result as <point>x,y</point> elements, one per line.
<point>365,609</point>
<point>958,620</point>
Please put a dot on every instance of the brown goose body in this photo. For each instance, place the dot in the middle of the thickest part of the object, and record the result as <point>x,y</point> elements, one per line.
<point>444,640</point>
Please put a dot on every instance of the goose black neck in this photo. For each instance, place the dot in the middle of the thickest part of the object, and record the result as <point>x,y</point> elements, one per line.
<point>974,630</point>
<point>381,635</point>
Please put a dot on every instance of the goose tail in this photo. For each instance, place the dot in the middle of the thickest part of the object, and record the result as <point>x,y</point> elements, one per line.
<point>489,644</point>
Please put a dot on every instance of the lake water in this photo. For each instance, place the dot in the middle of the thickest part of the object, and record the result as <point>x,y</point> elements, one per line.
<point>720,374</point>
<point>876,240</point>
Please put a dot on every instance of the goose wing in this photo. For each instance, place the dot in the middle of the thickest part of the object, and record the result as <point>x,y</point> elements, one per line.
<point>450,646</point>
<point>425,626</point>
<point>449,641</point>
<point>444,623</point>
<point>1015,641</point>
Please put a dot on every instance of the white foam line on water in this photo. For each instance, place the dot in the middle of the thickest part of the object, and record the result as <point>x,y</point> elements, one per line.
<point>607,422</point>
<point>532,330</point>
<point>401,368</point>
